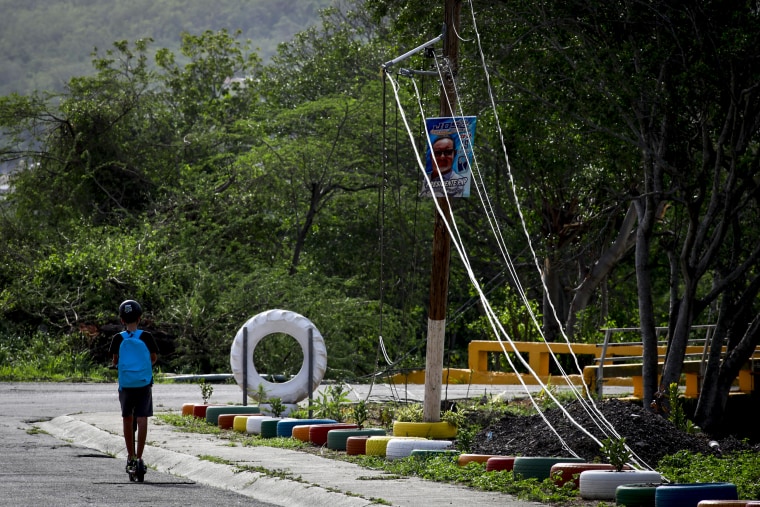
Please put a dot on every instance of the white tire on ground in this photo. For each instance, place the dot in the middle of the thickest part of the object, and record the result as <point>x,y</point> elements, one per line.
<point>602,484</point>
<point>253,424</point>
<point>279,321</point>
<point>402,448</point>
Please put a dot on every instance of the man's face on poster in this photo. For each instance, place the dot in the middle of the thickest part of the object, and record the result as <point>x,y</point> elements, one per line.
<point>443,156</point>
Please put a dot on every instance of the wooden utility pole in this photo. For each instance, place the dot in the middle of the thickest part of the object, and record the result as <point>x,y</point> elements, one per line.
<point>439,277</point>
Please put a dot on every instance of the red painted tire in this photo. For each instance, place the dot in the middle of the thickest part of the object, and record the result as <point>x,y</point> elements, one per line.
<point>199,411</point>
<point>562,473</point>
<point>498,463</point>
<point>356,446</point>
<point>318,432</point>
<point>465,459</point>
<point>225,421</point>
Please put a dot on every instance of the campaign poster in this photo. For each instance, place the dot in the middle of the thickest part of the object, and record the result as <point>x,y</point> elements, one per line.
<point>448,156</point>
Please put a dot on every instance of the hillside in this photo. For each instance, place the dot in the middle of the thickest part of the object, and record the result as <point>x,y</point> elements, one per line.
<point>43,43</point>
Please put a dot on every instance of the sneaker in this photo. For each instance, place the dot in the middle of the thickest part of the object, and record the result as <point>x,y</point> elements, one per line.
<point>131,466</point>
<point>140,467</point>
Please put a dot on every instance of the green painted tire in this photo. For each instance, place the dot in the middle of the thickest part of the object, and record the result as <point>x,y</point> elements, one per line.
<point>636,495</point>
<point>337,439</point>
<point>269,427</point>
<point>538,467</point>
<point>213,413</point>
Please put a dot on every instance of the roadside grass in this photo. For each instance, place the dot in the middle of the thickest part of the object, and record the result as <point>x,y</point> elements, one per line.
<point>741,469</point>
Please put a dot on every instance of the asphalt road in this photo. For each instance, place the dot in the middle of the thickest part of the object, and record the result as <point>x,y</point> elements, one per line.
<point>37,469</point>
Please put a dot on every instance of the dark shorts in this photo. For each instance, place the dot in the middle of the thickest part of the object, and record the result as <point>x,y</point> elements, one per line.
<point>136,401</point>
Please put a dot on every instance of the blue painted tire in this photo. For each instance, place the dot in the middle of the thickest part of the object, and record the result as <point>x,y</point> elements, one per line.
<point>689,495</point>
<point>285,426</point>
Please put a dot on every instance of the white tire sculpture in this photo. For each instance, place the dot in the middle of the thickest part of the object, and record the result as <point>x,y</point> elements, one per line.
<point>279,321</point>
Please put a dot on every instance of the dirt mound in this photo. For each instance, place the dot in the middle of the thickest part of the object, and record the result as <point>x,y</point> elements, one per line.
<point>650,436</point>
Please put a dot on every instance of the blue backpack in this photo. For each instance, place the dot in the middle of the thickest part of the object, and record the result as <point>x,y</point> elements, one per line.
<point>135,368</point>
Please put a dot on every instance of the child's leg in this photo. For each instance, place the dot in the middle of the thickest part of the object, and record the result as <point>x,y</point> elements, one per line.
<point>129,435</point>
<point>142,433</point>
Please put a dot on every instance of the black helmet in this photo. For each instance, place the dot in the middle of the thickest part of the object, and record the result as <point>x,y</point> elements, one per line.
<point>130,311</point>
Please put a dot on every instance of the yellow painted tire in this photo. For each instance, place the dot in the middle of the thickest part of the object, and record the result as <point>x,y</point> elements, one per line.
<point>187,408</point>
<point>376,445</point>
<point>240,423</point>
<point>435,430</point>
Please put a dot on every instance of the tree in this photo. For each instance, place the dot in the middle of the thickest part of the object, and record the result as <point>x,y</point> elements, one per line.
<point>667,94</point>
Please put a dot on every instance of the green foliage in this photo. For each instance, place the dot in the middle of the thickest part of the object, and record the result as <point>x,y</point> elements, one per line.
<point>676,413</point>
<point>616,452</point>
<point>331,403</point>
<point>261,394</point>
<point>40,357</point>
<point>740,468</point>
<point>443,469</point>
<point>276,406</point>
<point>359,413</point>
<point>189,423</point>
<point>206,390</point>
<point>411,412</point>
